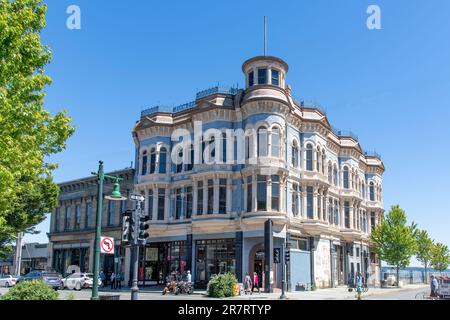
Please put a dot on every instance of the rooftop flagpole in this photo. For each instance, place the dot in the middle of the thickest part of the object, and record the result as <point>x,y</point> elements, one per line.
<point>265,35</point>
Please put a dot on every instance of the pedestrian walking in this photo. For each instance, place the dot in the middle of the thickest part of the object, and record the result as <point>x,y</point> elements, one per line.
<point>102,277</point>
<point>359,285</point>
<point>255,282</point>
<point>247,283</point>
<point>120,278</point>
<point>434,286</point>
<point>113,280</point>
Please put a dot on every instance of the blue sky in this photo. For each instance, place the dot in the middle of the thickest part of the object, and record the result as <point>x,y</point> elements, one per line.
<point>390,86</point>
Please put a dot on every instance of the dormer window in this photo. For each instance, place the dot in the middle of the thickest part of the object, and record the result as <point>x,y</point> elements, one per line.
<point>262,76</point>
<point>275,77</point>
<point>251,78</point>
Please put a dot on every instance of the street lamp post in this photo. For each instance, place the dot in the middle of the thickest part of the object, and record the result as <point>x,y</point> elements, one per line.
<point>116,196</point>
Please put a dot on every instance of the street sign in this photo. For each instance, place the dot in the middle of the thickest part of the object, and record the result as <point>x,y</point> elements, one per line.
<point>137,197</point>
<point>107,245</point>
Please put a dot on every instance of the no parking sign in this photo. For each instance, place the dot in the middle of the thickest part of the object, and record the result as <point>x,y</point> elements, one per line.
<point>107,245</point>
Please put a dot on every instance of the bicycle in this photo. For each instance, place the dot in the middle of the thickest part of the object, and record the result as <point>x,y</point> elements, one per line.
<point>425,295</point>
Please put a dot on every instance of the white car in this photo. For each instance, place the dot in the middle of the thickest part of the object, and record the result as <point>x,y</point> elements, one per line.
<point>79,281</point>
<point>7,281</point>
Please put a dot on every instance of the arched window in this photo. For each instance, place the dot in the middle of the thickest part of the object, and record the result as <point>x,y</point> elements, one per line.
<point>152,160</point>
<point>262,142</point>
<point>346,178</point>
<point>190,160</point>
<point>372,191</point>
<point>144,163</point>
<point>294,160</point>
<point>212,149</point>
<point>309,157</point>
<point>275,145</point>
<point>162,160</point>
<point>179,165</point>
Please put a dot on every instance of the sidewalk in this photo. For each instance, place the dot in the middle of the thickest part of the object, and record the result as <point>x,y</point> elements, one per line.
<point>339,293</point>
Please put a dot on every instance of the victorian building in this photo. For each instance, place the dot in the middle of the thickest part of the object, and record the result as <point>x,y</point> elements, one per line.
<point>72,226</point>
<point>321,191</point>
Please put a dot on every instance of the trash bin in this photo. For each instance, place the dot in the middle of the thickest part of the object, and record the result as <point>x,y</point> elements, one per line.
<point>109,297</point>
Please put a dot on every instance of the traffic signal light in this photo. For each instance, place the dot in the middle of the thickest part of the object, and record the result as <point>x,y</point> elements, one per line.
<point>287,255</point>
<point>143,226</point>
<point>276,255</point>
<point>126,227</point>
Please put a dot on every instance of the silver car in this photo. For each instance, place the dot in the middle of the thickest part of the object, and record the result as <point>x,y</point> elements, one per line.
<point>78,281</point>
<point>7,281</point>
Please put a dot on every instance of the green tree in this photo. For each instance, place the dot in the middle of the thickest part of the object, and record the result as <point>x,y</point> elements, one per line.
<point>424,249</point>
<point>29,134</point>
<point>440,257</point>
<point>393,241</point>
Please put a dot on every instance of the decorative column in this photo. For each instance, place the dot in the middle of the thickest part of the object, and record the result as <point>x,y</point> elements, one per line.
<point>216,196</point>
<point>167,204</point>
<point>146,202</point>
<point>342,213</point>
<point>304,202</point>
<point>327,207</point>
<point>254,195</point>
<point>155,203</point>
<point>205,196</point>
<point>351,215</point>
<point>315,197</point>
<point>229,193</point>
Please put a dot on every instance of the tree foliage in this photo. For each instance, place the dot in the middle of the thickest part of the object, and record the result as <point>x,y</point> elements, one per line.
<point>29,134</point>
<point>440,257</point>
<point>424,248</point>
<point>393,241</point>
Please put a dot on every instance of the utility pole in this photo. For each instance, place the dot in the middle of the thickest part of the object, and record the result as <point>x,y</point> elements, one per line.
<point>18,255</point>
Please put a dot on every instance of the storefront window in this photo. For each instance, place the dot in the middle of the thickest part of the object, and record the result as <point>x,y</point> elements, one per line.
<point>161,260</point>
<point>214,257</point>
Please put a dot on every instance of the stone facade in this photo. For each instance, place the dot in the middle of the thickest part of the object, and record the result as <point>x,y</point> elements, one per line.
<point>320,189</point>
<point>72,225</point>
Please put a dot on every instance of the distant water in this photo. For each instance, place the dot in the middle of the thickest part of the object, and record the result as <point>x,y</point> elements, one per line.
<point>417,269</point>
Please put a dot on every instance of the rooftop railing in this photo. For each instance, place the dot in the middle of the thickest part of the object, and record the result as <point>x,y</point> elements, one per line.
<point>345,133</point>
<point>214,90</point>
<point>189,105</point>
<point>310,105</point>
<point>371,153</point>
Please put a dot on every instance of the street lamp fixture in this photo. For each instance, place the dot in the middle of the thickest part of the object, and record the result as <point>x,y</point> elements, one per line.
<point>115,196</point>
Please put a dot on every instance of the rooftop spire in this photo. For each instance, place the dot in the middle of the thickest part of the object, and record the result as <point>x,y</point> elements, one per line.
<point>265,35</point>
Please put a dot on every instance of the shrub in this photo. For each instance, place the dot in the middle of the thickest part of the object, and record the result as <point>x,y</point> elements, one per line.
<point>222,285</point>
<point>31,290</point>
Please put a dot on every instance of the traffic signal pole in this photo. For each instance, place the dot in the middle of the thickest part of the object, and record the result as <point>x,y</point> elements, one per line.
<point>135,252</point>
<point>283,271</point>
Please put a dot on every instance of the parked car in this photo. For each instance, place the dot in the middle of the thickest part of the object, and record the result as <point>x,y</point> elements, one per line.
<point>79,281</point>
<point>53,279</point>
<point>7,281</point>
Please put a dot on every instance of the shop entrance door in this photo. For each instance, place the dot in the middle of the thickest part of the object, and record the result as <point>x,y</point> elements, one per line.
<point>258,267</point>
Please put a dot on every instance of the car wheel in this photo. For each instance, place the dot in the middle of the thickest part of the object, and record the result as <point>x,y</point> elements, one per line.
<point>78,286</point>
